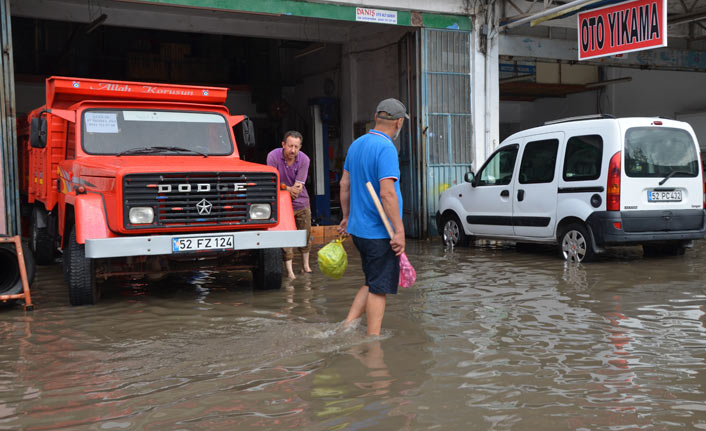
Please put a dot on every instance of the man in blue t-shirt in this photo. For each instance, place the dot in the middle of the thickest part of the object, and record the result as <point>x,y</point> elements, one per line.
<point>373,158</point>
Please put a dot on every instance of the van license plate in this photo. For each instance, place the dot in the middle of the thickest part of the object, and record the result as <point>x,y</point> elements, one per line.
<point>664,196</point>
<point>196,243</point>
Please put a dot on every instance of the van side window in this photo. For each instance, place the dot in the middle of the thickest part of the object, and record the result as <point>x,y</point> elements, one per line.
<point>498,169</point>
<point>539,162</point>
<point>583,158</point>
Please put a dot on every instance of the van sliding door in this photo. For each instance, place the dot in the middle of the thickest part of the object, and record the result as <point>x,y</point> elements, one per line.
<point>535,198</point>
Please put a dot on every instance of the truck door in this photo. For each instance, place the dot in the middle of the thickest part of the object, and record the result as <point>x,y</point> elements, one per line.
<point>535,198</point>
<point>489,203</point>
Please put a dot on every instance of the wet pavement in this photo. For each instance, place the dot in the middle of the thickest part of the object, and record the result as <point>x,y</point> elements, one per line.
<point>490,338</point>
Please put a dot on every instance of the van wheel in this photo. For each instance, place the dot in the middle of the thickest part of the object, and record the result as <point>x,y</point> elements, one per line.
<point>452,231</point>
<point>83,289</point>
<point>41,242</point>
<point>10,277</point>
<point>268,273</point>
<point>575,244</point>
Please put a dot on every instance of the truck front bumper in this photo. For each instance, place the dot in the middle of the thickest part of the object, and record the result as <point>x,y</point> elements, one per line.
<point>164,244</point>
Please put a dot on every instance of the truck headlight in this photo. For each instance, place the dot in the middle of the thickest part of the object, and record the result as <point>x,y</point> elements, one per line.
<point>260,211</point>
<point>141,215</point>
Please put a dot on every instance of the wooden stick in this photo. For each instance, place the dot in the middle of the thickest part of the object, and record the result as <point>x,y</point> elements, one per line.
<point>380,209</point>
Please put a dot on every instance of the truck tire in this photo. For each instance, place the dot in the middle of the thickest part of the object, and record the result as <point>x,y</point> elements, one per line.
<point>41,241</point>
<point>10,277</point>
<point>575,244</point>
<point>83,289</point>
<point>268,273</point>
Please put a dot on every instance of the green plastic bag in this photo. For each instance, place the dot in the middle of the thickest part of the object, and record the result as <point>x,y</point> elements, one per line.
<point>333,259</point>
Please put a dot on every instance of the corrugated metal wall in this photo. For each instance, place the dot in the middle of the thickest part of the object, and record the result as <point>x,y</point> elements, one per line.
<point>446,112</point>
<point>9,194</point>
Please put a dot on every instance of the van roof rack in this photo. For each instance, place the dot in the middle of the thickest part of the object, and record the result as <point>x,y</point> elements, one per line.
<point>579,118</point>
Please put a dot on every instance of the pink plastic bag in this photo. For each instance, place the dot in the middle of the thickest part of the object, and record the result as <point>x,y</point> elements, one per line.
<point>407,273</point>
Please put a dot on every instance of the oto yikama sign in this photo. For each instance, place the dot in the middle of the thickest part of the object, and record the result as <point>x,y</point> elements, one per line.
<point>626,27</point>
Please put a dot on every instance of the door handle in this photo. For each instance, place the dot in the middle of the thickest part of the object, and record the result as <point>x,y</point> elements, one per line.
<point>520,195</point>
<point>505,193</point>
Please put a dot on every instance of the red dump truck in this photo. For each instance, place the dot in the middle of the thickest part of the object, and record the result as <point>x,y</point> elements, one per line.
<point>133,178</point>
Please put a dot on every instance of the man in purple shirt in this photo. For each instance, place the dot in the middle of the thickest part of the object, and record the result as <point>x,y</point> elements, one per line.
<point>293,167</point>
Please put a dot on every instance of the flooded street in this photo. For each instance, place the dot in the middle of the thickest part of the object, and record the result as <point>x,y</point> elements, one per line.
<point>490,338</point>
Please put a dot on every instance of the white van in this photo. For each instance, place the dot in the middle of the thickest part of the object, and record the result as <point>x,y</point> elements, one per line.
<point>585,183</point>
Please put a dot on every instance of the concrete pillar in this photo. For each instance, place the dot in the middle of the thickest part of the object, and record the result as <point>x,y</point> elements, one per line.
<point>485,88</point>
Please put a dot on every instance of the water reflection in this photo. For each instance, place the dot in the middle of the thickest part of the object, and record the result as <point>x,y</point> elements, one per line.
<point>489,338</point>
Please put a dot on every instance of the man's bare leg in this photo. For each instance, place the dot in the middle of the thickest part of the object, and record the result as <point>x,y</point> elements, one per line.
<point>358,306</point>
<point>290,271</point>
<point>305,262</point>
<point>375,309</point>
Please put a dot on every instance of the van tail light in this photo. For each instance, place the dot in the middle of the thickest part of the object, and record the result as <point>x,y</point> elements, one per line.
<point>613,199</point>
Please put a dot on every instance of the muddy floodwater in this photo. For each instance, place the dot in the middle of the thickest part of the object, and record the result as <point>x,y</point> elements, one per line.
<point>490,338</point>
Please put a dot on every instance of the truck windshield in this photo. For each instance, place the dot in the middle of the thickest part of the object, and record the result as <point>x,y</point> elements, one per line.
<point>658,152</point>
<point>135,132</point>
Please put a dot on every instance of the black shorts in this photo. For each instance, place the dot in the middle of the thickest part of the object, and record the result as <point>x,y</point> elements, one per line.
<point>380,265</point>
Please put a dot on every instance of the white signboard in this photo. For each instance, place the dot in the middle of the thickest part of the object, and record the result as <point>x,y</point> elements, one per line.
<point>376,15</point>
<point>101,122</point>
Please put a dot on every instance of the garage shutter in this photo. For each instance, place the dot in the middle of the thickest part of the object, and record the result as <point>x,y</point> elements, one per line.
<point>9,195</point>
<point>447,128</point>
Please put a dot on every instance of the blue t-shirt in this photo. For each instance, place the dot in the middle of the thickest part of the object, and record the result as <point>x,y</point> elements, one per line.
<point>372,157</point>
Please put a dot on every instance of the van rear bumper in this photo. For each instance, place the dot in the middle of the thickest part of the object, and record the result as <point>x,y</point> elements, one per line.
<point>165,244</point>
<point>640,227</point>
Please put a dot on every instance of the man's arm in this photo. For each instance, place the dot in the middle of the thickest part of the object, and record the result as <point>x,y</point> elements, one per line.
<point>302,173</point>
<point>303,170</point>
<point>345,197</point>
<point>388,196</point>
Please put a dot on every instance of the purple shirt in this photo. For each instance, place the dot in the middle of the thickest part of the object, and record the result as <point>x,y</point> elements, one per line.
<point>290,174</point>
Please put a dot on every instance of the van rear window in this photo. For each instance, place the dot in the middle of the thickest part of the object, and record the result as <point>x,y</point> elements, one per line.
<point>658,152</point>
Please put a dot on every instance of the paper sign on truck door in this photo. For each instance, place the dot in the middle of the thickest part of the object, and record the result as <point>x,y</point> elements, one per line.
<point>630,26</point>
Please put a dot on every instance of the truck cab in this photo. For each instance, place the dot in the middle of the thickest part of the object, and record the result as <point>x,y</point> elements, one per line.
<point>130,178</point>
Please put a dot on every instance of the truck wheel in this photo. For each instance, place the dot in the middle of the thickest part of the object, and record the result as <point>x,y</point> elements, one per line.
<point>10,278</point>
<point>41,241</point>
<point>575,244</point>
<point>81,276</point>
<point>452,231</point>
<point>268,274</point>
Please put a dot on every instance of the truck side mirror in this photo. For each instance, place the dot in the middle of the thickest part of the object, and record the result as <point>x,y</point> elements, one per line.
<point>245,132</point>
<point>470,178</point>
<point>38,132</point>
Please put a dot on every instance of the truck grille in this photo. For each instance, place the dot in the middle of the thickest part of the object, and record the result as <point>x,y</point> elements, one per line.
<point>199,199</point>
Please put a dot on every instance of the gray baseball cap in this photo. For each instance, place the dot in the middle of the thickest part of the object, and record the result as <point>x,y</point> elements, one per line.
<point>394,108</point>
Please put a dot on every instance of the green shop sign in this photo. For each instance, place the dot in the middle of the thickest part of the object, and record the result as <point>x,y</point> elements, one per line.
<point>329,11</point>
